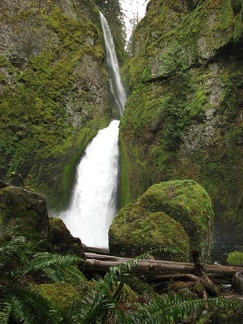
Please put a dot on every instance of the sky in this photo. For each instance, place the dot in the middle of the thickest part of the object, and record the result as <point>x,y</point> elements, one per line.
<point>132,9</point>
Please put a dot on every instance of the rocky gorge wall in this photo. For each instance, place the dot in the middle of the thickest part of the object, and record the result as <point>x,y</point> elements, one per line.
<point>183,119</point>
<point>54,90</point>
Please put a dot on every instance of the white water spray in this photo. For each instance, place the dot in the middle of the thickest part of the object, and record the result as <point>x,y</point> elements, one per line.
<point>93,204</point>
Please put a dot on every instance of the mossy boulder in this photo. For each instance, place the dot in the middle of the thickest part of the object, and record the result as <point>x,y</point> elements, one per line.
<point>24,213</point>
<point>61,239</point>
<point>169,220</point>
<point>62,294</point>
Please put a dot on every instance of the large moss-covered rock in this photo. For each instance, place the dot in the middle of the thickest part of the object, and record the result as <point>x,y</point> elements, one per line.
<point>183,118</point>
<point>24,213</point>
<point>54,90</point>
<point>169,219</point>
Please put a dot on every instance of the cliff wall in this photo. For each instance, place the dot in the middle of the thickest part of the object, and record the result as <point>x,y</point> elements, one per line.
<point>54,90</point>
<point>183,119</point>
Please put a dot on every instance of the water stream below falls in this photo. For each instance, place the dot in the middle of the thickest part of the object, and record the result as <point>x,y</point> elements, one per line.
<point>93,203</point>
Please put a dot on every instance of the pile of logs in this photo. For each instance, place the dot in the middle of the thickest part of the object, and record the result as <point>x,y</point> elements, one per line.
<point>208,275</point>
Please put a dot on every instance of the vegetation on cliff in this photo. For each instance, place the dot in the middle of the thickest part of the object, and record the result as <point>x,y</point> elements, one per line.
<point>183,119</point>
<point>54,91</point>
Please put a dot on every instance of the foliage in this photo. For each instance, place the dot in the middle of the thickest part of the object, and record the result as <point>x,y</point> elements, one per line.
<point>173,309</point>
<point>108,299</point>
<point>20,267</point>
<point>102,300</point>
<point>235,258</point>
<point>48,115</point>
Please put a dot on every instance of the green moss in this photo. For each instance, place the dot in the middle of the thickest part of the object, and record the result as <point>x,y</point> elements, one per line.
<point>61,294</point>
<point>188,203</point>
<point>185,121</point>
<point>24,213</point>
<point>181,206</point>
<point>136,230</point>
<point>38,139</point>
<point>235,258</point>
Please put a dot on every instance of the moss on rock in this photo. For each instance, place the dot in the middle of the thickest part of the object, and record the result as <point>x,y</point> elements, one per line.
<point>183,119</point>
<point>54,91</point>
<point>61,239</point>
<point>168,220</point>
<point>24,213</point>
<point>63,295</point>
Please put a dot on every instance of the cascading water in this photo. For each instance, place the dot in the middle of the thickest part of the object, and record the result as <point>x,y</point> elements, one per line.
<point>113,68</point>
<point>94,198</point>
<point>93,203</point>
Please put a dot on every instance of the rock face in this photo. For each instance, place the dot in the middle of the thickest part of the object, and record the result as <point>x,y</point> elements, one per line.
<point>54,90</point>
<point>183,119</point>
<point>24,213</point>
<point>61,239</point>
<point>169,220</point>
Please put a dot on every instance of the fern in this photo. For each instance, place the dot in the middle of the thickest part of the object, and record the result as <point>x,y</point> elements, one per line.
<point>56,267</point>
<point>29,307</point>
<point>5,310</point>
<point>19,264</point>
<point>172,309</point>
<point>102,299</point>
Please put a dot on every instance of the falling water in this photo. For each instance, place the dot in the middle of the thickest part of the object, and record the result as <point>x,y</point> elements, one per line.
<point>93,203</point>
<point>94,199</point>
<point>115,78</point>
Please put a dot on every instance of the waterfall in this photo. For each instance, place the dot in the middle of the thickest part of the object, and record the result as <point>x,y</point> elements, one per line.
<point>111,59</point>
<point>93,203</point>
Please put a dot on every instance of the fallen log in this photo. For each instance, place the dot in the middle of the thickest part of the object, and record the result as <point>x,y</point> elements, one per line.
<point>189,277</point>
<point>158,266</point>
<point>199,270</point>
<point>95,250</point>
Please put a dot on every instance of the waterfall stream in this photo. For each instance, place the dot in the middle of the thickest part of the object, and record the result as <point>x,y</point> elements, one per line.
<point>93,203</point>
<point>113,68</point>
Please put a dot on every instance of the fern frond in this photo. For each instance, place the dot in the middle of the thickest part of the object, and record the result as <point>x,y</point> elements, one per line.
<point>31,307</point>
<point>172,309</point>
<point>5,310</point>
<point>101,305</point>
<point>56,267</point>
<point>103,300</point>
